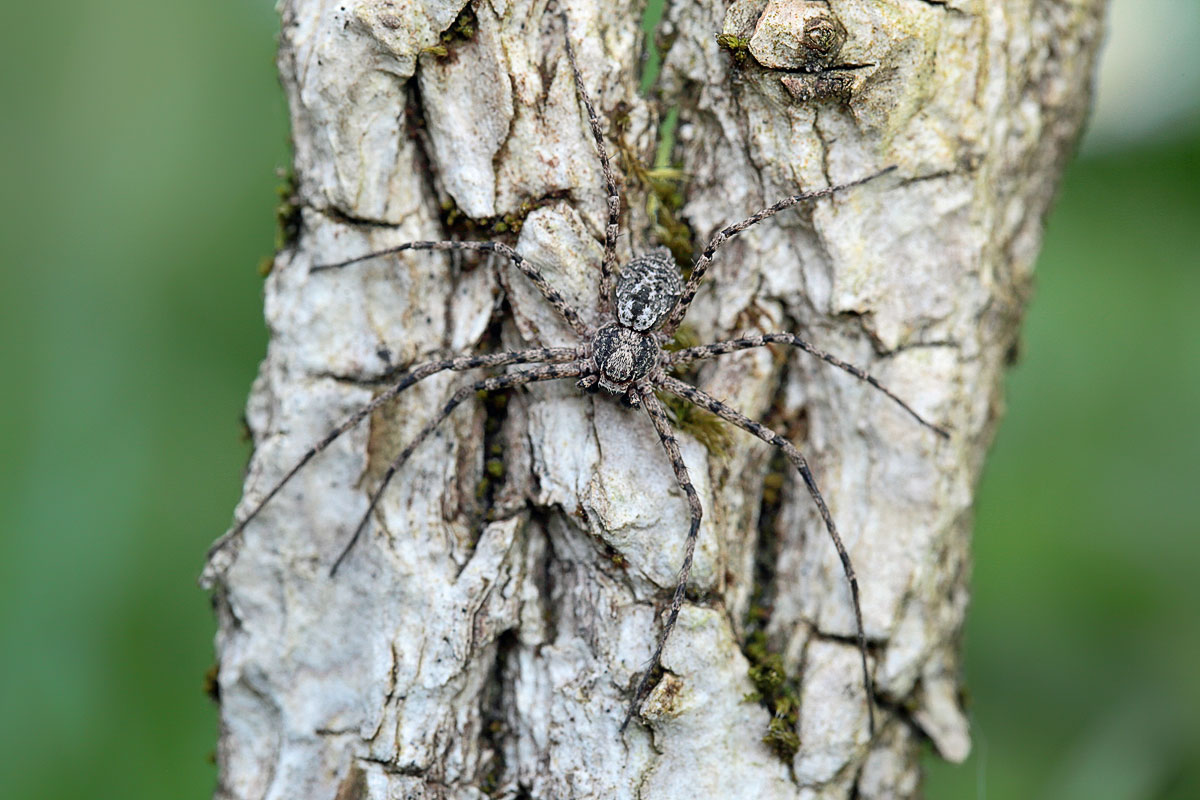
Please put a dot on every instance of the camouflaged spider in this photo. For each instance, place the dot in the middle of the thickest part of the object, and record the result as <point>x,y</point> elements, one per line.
<point>625,357</point>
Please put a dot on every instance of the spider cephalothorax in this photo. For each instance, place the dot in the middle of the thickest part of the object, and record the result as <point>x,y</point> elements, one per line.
<point>624,356</point>
<point>621,357</point>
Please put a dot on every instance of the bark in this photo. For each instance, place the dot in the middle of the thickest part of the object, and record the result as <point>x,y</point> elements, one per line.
<point>484,638</point>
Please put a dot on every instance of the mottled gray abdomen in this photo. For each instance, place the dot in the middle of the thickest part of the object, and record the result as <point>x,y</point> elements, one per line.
<point>647,290</point>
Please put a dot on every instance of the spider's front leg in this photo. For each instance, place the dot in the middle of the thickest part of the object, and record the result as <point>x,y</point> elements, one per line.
<point>542,372</point>
<point>704,400</point>
<point>414,375</point>
<point>666,435</point>
<point>690,354</point>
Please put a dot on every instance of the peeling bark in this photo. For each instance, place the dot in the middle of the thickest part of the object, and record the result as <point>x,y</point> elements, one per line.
<point>484,638</point>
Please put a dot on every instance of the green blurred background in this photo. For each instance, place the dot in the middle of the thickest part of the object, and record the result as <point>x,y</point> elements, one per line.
<point>140,141</point>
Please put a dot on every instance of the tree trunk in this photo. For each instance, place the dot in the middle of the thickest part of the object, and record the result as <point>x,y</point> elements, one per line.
<point>484,637</point>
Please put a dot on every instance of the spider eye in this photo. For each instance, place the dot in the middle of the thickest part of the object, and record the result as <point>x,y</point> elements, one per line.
<point>647,290</point>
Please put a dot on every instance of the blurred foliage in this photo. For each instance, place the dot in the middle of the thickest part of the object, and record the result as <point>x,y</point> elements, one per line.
<point>140,144</point>
<point>1083,644</point>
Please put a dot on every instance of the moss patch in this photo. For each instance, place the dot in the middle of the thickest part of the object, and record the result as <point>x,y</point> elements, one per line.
<point>776,690</point>
<point>495,406</point>
<point>737,47</point>
<point>462,29</point>
<point>701,424</point>
<point>456,221</point>
<point>287,218</point>
<point>664,183</point>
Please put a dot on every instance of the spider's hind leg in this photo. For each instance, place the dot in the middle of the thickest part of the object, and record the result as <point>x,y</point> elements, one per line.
<point>723,235</point>
<point>610,182</point>
<point>565,310</point>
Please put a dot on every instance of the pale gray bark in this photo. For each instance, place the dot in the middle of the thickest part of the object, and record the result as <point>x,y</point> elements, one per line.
<point>464,652</point>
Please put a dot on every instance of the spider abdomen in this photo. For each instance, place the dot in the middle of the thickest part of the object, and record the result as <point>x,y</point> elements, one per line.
<point>647,290</point>
<point>622,356</point>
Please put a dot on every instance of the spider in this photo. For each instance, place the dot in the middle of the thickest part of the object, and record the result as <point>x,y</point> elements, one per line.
<point>623,355</point>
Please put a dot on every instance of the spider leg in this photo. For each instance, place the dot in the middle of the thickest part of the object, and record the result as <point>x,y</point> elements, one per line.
<point>543,354</point>
<point>706,401</point>
<point>610,182</point>
<point>564,309</point>
<point>720,348</point>
<point>542,372</point>
<point>662,424</point>
<point>723,235</point>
